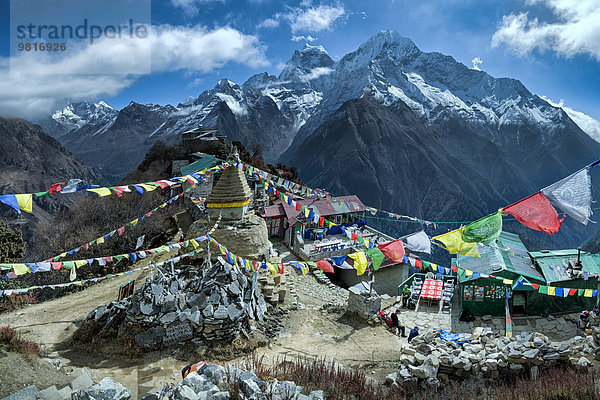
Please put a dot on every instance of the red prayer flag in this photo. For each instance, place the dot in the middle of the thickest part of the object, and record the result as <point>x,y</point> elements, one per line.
<point>298,207</point>
<point>56,265</point>
<point>572,292</point>
<point>120,230</point>
<point>537,213</point>
<point>454,269</point>
<point>324,266</point>
<point>56,188</point>
<point>535,286</point>
<point>321,221</point>
<point>353,236</point>
<point>255,265</point>
<point>85,246</point>
<point>419,264</point>
<point>393,250</point>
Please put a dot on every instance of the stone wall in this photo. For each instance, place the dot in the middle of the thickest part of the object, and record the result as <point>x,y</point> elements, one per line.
<point>430,360</point>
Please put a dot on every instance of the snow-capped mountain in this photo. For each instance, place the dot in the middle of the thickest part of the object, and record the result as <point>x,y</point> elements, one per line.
<point>466,110</point>
<point>77,115</point>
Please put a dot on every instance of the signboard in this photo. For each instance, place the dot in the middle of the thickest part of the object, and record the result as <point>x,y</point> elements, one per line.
<point>178,333</point>
<point>126,289</point>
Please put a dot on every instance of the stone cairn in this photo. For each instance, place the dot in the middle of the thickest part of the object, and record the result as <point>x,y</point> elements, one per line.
<point>429,360</point>
<point>201,305</point>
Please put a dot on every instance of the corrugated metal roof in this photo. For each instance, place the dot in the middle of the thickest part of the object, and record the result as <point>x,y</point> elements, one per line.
<point>206,161</point>
<point>508,254</point>
<point>276,210</point>
<point>555,263</point>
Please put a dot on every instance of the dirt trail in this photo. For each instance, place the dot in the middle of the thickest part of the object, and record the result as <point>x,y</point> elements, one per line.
<point>309,332</point>
<point>51,323</point>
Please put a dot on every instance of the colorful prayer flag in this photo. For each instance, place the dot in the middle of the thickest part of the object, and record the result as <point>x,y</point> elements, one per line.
<point>485,230</point>
<point>537,213</point>
<point>454,243</point>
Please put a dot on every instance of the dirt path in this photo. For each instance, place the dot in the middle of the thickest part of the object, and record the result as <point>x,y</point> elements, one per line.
<point>51,323</point>
<point>309,332</point>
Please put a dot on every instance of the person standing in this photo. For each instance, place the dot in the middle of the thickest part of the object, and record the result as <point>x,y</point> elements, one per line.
<point>405,296</point>
<point>396,323</point>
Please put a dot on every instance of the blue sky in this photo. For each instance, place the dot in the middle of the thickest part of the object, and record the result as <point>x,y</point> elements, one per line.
<point>552,46</point>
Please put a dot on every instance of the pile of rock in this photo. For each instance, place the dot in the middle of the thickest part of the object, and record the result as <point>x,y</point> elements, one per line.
<point>362,301</point>
<point>207,304</point>
<point>216,383</point>
<point>429,359</point>
<point>273,288</point>
<point>81,388</point>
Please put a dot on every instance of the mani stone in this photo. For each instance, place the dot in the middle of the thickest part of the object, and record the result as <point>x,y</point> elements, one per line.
<point>220,313</point>
<point>150,337</point>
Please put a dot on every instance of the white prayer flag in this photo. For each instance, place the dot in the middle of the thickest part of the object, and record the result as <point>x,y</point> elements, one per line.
<point>573,195</point>
<point>418,242</point>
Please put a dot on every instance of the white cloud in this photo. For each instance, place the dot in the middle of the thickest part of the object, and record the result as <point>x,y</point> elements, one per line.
<point>587,124</point>
<point>317,72</point>
<point>269,23</point>
<point>195,83</point>
<point>303,38</point>
<point>32,84</point>
<point>575,31</point>
<point>192,7</point>
<point>308,18</point>
<point>476,62</point>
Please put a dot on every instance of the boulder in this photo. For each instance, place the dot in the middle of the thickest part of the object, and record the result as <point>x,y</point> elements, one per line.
<point>109,389</point>
<point>82,382</point>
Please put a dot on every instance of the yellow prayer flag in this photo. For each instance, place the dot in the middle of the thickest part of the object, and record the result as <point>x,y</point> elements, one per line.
<point>20,269</point>
<point>306,212</point>
<point>80,263</point>
<point>468,272</point>
<point>588,293</point>
<point>194,243</point>
<point>433,266</point>
<point>25,201</point>
<point>551,290</point>
<point>61,255</point>
<point>271,268</point>
<point>330,224</point>
<point>510,281</point>
<point>148,188</point>
<point>100,240</point>
<point>134,222</point>
<point>454,244</point>
<point>360,262</point>
<point>101,191</point>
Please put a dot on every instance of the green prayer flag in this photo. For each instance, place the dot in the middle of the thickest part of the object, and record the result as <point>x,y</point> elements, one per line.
<point>580,292</point>
<point>361,240</point>
<point>118,258</point>
<point>426,264</point>
<point>68,264</point>
<point>543,289</point>
<point>38,194</point>
<point>376,256</point>
<point>485,230</point>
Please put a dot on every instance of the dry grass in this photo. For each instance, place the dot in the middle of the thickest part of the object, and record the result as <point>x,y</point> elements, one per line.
<point>11,339</point>
<point>338,383</point>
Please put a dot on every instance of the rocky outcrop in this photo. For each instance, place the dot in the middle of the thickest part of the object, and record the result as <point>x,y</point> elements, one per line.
<point>427,359</point>
<point>202,305</point>
<point>247,237</point>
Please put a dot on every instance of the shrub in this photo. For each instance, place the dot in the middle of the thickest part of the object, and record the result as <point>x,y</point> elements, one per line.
<point>13,341</point>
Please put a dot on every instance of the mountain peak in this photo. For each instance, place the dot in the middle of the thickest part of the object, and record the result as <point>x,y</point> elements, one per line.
<point>383,44</point>
<point>304,61</point>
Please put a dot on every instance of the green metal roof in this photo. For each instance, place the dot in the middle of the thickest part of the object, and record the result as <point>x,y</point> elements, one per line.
<point>507,254</point>
<point>555,263</point>
<point>205,162</point>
